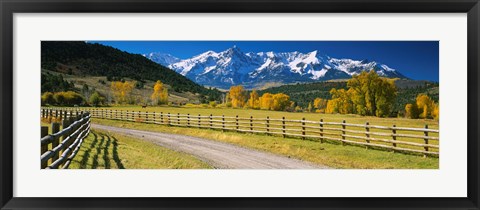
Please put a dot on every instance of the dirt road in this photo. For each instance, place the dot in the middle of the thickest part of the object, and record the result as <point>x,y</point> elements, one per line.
<point>217,154</point>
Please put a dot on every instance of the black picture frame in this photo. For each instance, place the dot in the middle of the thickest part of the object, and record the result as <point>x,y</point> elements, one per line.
<point>10,7</point>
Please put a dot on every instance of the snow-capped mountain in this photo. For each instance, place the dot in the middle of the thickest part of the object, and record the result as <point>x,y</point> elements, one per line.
<point>234,67</point>
<point>162,58</point>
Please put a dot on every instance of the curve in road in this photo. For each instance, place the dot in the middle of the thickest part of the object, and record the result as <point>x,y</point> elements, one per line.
<point>218,154</point>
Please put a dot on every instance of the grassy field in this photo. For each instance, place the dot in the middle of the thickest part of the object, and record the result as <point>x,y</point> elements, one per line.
<point>105,150</point>
<point>329,154</point>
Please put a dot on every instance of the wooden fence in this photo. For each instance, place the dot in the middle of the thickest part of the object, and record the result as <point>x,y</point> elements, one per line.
<point>401,139</point>
<point>60,147</point>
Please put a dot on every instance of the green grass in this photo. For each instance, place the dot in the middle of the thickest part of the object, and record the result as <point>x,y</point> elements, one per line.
<point>105,150</point>
<point>329,154</point>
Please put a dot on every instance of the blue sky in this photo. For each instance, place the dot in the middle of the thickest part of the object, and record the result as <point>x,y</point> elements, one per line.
<point>415,59</point>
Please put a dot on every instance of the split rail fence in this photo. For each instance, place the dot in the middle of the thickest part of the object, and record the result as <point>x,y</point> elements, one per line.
<point>60,147</point>
<point>401,139</point>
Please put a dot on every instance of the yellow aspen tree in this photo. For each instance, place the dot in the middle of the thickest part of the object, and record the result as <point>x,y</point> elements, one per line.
<point>320,103</point>
<point>280,102</point>
<point>426,106</point>
<point>121,91</point>
<point>237,95</point>
<point>160,93</point>
<point>253,101</point>
<point>332,106</point>
<point>436,112</point>
<point>266,101</point>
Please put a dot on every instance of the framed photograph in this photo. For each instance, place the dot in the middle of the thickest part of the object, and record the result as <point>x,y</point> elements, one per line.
<point>239,105</point>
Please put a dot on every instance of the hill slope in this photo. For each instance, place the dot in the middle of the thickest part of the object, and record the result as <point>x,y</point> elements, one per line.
<point>81,58</point>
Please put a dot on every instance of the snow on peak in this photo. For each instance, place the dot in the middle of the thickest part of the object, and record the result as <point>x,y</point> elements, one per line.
<point>233,67</point>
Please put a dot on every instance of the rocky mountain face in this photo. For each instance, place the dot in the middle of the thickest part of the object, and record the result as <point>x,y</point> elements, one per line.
<point>235,67</point>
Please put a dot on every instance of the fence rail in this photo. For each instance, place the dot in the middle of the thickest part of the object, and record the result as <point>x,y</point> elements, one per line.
<point>60,147</point>
<point>402,139</point>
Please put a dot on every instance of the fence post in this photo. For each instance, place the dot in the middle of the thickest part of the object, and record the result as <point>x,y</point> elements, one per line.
<point>367,133</point>
<point>321,130</point>
<point>161,117</point>
<point>210,121</point>
<point>64,115</point>
<point>178,118</point>
<point>56,114</point>
<point>154,117</point>
<point>43,148</point>
<point>251,123</point>
<point>111,114</point>
<point>56,140</point>
<point>394,137</point>
<point>426,140</point>
<point>343,132</point>
<point>268,125</point>
<point>168,118</point>
<point>223,123</point>
<point>65,123</point>
<point>236,123</point>
<point>283,127</point>
<point>102,114</point>
<point>188,120</point>
<point>303,128</point>
<point>199,121</point>
<point>146,116</point>
<point>43,113</point>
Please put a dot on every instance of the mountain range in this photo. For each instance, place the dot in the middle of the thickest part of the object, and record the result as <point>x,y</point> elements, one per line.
<point>255,69</point>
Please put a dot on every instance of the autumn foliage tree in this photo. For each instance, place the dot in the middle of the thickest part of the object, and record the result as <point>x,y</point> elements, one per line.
<point>280,102</point>
<point>424,107</point>
<point>122,91</point>
<point>254,100</point>
<point>266,101</point>
<point>160,93</point>
<point>276,102</point>
<point>372,94</point>
<point>341,102</point>
<point>237,96</point>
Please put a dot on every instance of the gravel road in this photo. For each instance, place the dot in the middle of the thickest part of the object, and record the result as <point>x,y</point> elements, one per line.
<point>218,154</point>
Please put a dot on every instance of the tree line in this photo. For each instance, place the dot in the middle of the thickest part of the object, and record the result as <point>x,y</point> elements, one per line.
<point>238,97</point>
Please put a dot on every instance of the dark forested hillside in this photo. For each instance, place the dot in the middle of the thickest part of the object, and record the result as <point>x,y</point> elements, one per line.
<point>81,58</point>
<point>305,93</point>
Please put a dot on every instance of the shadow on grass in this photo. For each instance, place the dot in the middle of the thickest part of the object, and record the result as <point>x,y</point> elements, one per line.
<point>98,153</point>
<point>115,154</point>
<point>86,154</point>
